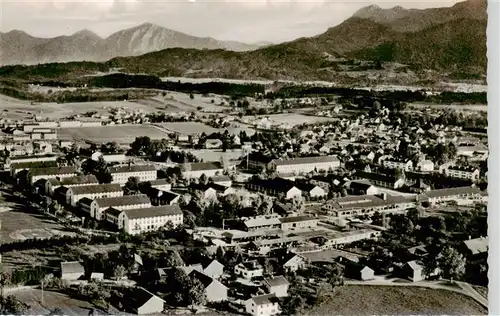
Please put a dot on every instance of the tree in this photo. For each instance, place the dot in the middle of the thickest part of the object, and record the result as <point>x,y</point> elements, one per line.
<point>336,277</point>
<point>196,293</point>
<point>451,264</point>
<point>191,96</point>
<point>132,186</point>
<point>293,304</point>
<point>119,271</point>
<point>10,305</point>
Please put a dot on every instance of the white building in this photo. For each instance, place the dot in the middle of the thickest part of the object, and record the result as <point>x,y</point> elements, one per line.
<point>196,169</point>
<point>121,174</point>
<point>249,269</point>
<point>136,221</point>
<point>277,285</point>
<point>263,305</point>
<point>97,206</point>
<point>467,173</point>
<point>36,174</point>
<point>406,165</point>
<point>75,194</point>
<point>305,165</point>
<point>425,166</point>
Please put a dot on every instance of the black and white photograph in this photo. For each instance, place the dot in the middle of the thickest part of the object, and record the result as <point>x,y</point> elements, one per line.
<point>246,157</point>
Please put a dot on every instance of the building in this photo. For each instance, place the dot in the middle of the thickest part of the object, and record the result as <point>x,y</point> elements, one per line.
<point>271,221</point>
<point>49,185</point>
<point>467,173</point>
<point>350,206</point>
<point>277,187</point>
<point>222,180</point>
<point>257,161</point>
<point>136,221</point>
<point>75,194</point>
<point>362,187</point>
<point>214,290</point>
<point>213,269</point>
<point>142,302</point>
<point>97,206</point>
<point>292,262</point>
<point>160,197</point>
<point>249,269</point>
<point>385,181</point>
<point>161,184</point>
<point>298,222</point>
<point>461,195</point>
<point>475,248</point>
<point>36,174</point>
<point>402,164</point>
<point>358,271</point>
<point>144,173</point>
<point>311,191</point>
<point>196,169</point>
<point>414,271</point>
<point>72,270</point>
<point>305,165</point>
<point>425,166</point>
<point>277,285</point>
<point>263,305</point>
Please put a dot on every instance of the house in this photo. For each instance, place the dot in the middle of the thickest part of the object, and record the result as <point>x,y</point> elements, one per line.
<point>97,276</point>
<point>292,262</point>
<point>249,269</point>
<point>298,222</point>
<point>196,169</point>
<point>136,221</point>
<point>97,206</point>
<point>222,180</point>
<point>425,166</point>
<point>362,187</point>
<point>310,190</point>
<point>36,174</point>
<point>72,270</point>
<point>406,165</point>
<point>263,305</point>
<point>358,271</point>
<point>144,173</point>
<point>349,206</point>
<point>213,269</point>
<point>49,185</point>
<point>75,194</point>
<point>385,181</point>
<point>414,271</point>
<point>143,302</point>
<point>274,187</point>
<point>305,165</point>
<point>475,248</point>
<point>463,172</point>
<point>277,285</point>
<point>214,290</point>
<point>213,143</point>
<point>160,197</point>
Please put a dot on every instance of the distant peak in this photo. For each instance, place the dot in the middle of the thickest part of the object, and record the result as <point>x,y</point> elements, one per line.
<point>86,33</point>
<point>367,10</point>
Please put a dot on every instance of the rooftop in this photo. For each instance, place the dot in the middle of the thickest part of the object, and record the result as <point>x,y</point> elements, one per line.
<point>306,160</point>
<point>452,191</point>
<point>123,200</point>
<point>97,188</point>
<point>477,245</point>
<point>276,281</point>
<point>49,171</point>
<point>156,211</point>
<point>200,166</point>
<point>265,299</point>
<point>132,168</point>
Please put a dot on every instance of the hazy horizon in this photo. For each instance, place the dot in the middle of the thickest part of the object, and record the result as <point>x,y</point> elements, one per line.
<point>230,20</point>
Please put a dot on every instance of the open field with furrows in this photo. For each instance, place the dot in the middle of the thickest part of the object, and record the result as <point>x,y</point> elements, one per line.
<point>122,134</point>
<point>392,300</point>
<point>291,119</point>
<point>182,102</point>
<point>21,221</point>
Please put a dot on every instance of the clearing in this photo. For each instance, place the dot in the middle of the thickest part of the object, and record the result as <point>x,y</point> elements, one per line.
<point>122,134</point>
<point>397,300</point>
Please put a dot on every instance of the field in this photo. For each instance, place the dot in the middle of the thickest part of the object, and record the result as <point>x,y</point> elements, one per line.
<point>461,107</point>
<point>20,221</point>
<point>397,300</point>
<point>122,134</point>
<point>291,119</point>
<point>51,300</point>
<point>216,155</point>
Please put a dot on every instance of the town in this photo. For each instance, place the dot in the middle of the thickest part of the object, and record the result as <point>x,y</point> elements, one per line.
<point>151,212</point>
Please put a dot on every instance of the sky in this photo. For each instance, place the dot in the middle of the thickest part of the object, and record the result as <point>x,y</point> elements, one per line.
<point>247,21</point>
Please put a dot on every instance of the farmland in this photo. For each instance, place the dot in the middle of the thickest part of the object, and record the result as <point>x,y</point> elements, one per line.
<point>392,300</point>
<point>122,134</point>
<point>290,119</point>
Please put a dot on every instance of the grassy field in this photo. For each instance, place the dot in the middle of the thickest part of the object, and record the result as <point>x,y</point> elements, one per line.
<point>293,118</point>
<point>387,300</point>
<point>21,221</point>
<point>69,306</point>
<point>122,134</point>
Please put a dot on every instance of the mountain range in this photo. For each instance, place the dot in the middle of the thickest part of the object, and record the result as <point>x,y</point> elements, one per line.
<point>18,47</point>
<point>447,40</point>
